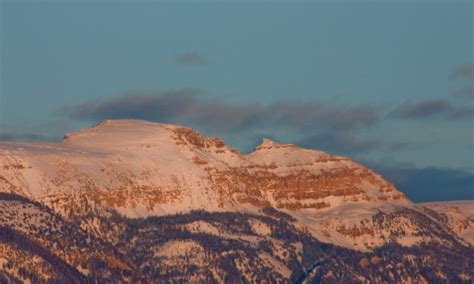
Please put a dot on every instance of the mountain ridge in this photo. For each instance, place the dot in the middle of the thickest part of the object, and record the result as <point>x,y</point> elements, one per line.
<point>140,170</point>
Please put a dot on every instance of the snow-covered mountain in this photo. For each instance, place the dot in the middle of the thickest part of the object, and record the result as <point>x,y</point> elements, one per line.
<point>139,169</point>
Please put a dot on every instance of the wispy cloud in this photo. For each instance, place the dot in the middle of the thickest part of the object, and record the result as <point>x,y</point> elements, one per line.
<point>422,109</point>
<point>465,71</point>
<point>431,108</point>
<point>190,58</point>
<point>349,143</point>
<point>467,91</point>
<point>465,112</point>
<point>340,143</point>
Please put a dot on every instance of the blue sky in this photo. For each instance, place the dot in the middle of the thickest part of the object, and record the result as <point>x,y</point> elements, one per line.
<point>388,83</point>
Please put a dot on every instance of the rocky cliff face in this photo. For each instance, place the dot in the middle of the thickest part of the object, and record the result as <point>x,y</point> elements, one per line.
<point>138,169</point>
<point>125,164</point>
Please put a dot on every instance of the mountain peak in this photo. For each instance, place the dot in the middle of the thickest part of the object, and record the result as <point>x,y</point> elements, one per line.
<point>119,132</point>
<point>124,123</point>
<point>268,144</point>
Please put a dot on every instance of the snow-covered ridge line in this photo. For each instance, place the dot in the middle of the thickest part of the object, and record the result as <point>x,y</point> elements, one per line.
<point>141,169</point>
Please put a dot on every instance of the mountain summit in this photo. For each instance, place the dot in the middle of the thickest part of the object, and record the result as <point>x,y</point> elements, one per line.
<point>139,169</point>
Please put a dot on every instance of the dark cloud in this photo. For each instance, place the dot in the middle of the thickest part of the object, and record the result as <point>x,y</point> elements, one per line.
<point>17,136</point>
<point>466,71</point>
<point>467,91</point>
<point>431,108</point>
<point>465,112</point>
<point>159,107</point>
<point>421,109</point>
<point>346,143</point>
<point>428,184</point>
<point>342,143</point>
<point>190,58</point>
<point>188,106</point>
